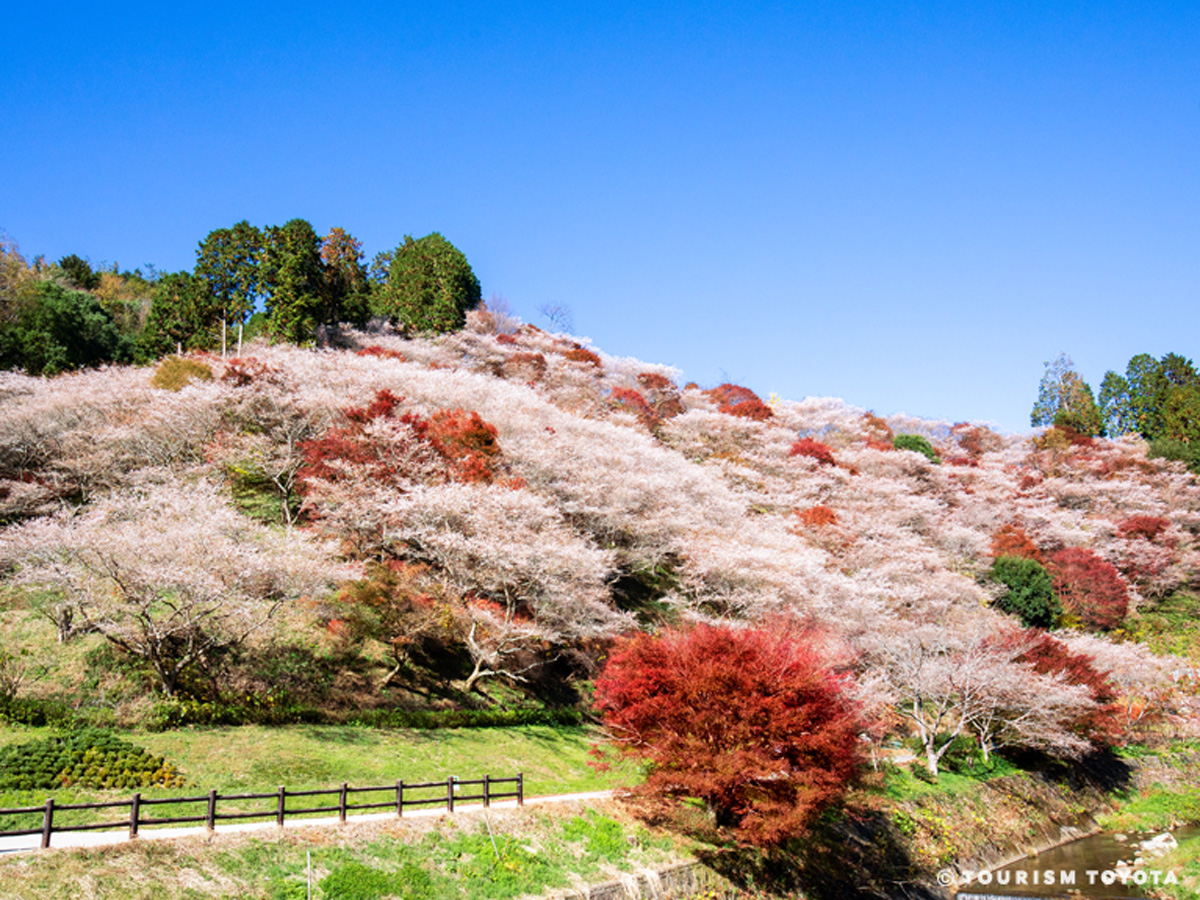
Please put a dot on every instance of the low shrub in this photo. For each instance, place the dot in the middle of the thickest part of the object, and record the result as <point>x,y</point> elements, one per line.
<point>916,444</point>
<point>1181,451</point>
<point>87,758</point>
<point>176,371</point>
<point>814,450</point>
<point>1030,595</point>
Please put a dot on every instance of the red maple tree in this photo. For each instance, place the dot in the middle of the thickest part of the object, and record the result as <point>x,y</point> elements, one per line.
<point>752,721</point>
<point>814,449</point>
<point>1090,588</point>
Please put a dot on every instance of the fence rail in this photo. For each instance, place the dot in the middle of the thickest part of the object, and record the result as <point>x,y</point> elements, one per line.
<point>399,797</point>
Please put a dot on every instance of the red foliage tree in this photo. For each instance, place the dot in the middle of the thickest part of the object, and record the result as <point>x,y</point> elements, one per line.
<point>583,355</point>
<point>460,438</point>
<point>751,721</point>
<point>736,400</point>
<point>1090,588</point>
<point>467,442</point>
<point>1050,656</point>
<point>662,395</point>
<point>381,352</point>
<point>632,401</point>
<point>1011,540</point>
<point>816,516</point>
<point>1148,527</point>
<point>814,449</point>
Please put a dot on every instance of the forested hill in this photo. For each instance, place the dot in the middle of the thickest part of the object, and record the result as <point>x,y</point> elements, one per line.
<point>491,505</point>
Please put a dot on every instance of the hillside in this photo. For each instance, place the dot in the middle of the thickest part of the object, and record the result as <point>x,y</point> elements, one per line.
<point>408,522</point>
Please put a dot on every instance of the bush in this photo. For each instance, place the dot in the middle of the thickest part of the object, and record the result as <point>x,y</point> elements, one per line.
<point>735,400</point>
<point>916,444</point>
<point>1148,527</point>
<point>1030,595</point>
<point>814,450</point>
<point>1188,454</point>
<point>1011,540</point>
<point>174,372</point>
<point>1089,588</point>
<point>87,758</point>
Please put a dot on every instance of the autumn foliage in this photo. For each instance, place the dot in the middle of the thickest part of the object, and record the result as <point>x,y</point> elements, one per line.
<point>1011,540</point>
<point>816,516</point>
<point>1148,527</point>
<point>1090,588</point>
<point>751,721</point>
<point>813,449</point>
<point>1050,656</point>
<point>464,442</point>
<point>735,400</point>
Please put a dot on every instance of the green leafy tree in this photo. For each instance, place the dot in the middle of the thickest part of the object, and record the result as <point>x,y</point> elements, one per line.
<point>1143,375</point>
<point>61,330</point>
<point>1116,405</point>
<point>227,265</point>
<point>917,444</point>
<point>1181,415</point>
<point>1064,398</point>
<point>78,272</point>
<point>430,286</point>
<point>292,280</point>
<point>346,290</point>
<point>1030,592</point>
<point>180,317</point>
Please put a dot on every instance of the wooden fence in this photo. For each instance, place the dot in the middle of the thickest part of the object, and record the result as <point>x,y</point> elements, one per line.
<point>400,796</point>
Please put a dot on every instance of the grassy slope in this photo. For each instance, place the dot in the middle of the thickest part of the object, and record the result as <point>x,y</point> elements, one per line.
<point>535,850</point>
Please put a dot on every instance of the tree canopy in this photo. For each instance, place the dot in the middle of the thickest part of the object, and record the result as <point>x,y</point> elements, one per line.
<point>430,286</point>
<point>752,721</point>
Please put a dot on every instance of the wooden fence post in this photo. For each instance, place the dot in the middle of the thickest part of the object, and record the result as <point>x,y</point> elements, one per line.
<point>487,791</point>
<point>279,810</point>
<point>342,805</point>
<point>520,789</point>
<point>399,797</point>
<point>48,823</point>
<point>134,808</point>
<point>210,821</point>
<point>450,794</point>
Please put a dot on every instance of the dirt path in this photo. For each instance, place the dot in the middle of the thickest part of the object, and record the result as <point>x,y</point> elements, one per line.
<point>59,841</point>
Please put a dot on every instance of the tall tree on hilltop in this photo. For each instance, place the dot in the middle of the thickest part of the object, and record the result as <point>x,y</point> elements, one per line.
<point>1116,405</point>
<point>180,317</point>
<point>1064,398</point>
<point>291,279</point>
<point>430,286</point>
<point>346,291</point>
<point>227,265</point>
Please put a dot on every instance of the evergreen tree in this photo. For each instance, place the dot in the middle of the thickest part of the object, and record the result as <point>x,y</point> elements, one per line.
<point>292,280</point>
<point>61,330</point>
<point>346,291</point>
<point>181,315</point>
<point>227,266</point>
<point>430,286</point>
<point>1116,405</point>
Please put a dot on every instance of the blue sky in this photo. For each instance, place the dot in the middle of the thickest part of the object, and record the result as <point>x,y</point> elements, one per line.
<point>912,206</point>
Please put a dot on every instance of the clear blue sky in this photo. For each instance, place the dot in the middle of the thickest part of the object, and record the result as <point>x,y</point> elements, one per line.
<point>908,205</point>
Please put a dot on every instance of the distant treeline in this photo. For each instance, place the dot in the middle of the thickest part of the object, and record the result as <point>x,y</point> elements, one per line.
<point>284,281</point>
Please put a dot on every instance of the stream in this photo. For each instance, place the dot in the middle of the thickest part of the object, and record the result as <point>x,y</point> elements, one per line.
<point>1089,867</point>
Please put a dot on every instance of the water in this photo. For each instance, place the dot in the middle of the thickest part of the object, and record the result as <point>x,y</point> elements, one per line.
<point>1086,868</point>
